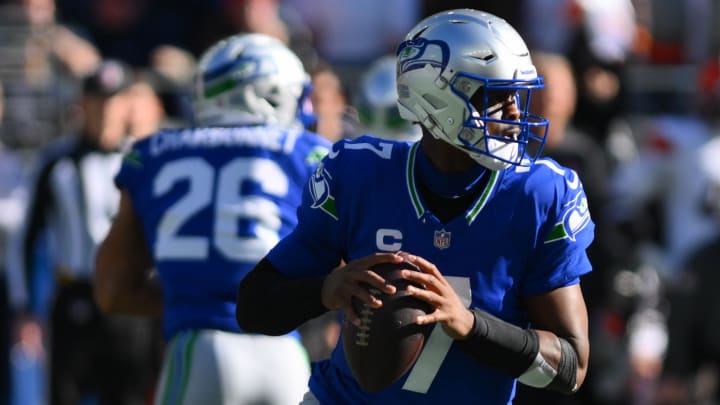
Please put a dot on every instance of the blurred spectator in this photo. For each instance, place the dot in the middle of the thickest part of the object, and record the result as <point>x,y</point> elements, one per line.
<point>666,72</point>
<point>665,177</point>
<point>657,204</point>
<point>40,70</point>
<point>270,17</point>
<point>236,16</point>
<point>658,190</point>
<point>336,119</point>
<point>598,37</point>
<point>175,64</point>
<point>11,203</point>
<point>129,30</point>
<point>350,34</point>
<point>72,200</point>
<point>693,356</point>
<point>147,111</point>
<point>171,73</point>
<point>677,31</point>
<point>709,83</point>
<point>51,37</point>
<point>556,37</point>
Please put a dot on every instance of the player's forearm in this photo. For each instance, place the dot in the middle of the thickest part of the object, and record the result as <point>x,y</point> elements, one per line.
<point>537,358</point>
<point>272,304</point>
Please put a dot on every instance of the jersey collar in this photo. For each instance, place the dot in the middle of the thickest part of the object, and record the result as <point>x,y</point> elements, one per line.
<point>420,210</point>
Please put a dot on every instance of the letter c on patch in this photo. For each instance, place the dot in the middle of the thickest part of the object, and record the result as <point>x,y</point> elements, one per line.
<point>388,240</point>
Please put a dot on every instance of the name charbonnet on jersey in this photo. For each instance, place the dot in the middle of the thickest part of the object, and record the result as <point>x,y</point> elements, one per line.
<point>261,137</point>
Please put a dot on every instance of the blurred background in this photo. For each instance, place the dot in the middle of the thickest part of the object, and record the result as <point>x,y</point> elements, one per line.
<point>633,98</point>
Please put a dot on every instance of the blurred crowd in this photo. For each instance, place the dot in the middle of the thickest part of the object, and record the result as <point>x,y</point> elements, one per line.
<point>633,99</point>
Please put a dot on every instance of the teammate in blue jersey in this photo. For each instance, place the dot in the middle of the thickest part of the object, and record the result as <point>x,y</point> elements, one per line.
<point>202,206</point>
<point>500,236</point>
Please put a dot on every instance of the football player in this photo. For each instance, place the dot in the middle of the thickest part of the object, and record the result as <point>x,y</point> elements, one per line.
<point>500,235</point>
<point>200,207</point>
<point>376,103</point>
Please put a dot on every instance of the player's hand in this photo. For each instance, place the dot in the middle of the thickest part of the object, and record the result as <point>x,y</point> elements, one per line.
<point>344,283</point>
<point>456,319</point>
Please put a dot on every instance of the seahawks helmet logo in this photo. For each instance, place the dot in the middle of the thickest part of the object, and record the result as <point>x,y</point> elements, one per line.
<point>417,53</point>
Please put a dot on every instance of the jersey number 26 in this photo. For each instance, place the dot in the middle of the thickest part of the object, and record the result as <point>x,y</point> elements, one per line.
<point>221,190</point>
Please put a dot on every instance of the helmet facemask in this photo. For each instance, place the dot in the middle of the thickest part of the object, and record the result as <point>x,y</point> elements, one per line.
<point>487,136</point>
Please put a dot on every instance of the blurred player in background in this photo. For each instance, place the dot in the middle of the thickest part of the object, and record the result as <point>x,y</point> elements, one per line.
<point>500,236</point>
<point>377,104</point>
<point>199,208</point>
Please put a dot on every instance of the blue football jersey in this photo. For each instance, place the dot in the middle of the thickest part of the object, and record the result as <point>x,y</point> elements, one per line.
<point>524,235</point>
<point>213,201</point>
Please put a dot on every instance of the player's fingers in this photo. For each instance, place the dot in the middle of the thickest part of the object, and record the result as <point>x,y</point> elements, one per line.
<point>377,258</point>
<point>373,280</point>
<point>428,281</point>
<point>361,271</point>
<point>351,316</point>
<point>365,296</point>
<point>429,296</point>
<point>419,277</point>
<point>433,317</point>
<point>425,265</point>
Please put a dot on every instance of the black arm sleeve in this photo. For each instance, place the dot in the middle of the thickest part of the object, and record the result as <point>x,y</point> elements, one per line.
<point>272,304</point>
<point>500,344</point>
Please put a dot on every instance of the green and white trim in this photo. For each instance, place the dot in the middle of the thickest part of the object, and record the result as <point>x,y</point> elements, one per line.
<point>471,213</point>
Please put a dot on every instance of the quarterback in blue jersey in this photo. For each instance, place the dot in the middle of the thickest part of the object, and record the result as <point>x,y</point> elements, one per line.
<point>500,236</point>
<point>202,206</point>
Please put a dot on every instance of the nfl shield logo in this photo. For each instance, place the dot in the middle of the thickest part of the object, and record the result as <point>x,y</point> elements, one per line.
<point>442,239</point>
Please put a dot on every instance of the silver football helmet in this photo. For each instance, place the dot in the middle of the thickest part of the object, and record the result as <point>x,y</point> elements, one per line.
<point>451,68</point>
<point>377,104</point>
<point>251,79</point>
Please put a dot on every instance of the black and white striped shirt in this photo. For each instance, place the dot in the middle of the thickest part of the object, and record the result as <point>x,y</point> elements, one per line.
<point>72,200</point>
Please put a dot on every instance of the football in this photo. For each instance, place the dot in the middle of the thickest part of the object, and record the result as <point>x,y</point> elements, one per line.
<point>388,341</point>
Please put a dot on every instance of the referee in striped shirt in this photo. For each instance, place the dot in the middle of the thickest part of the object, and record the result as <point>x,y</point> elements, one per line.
<point>71,204</point>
